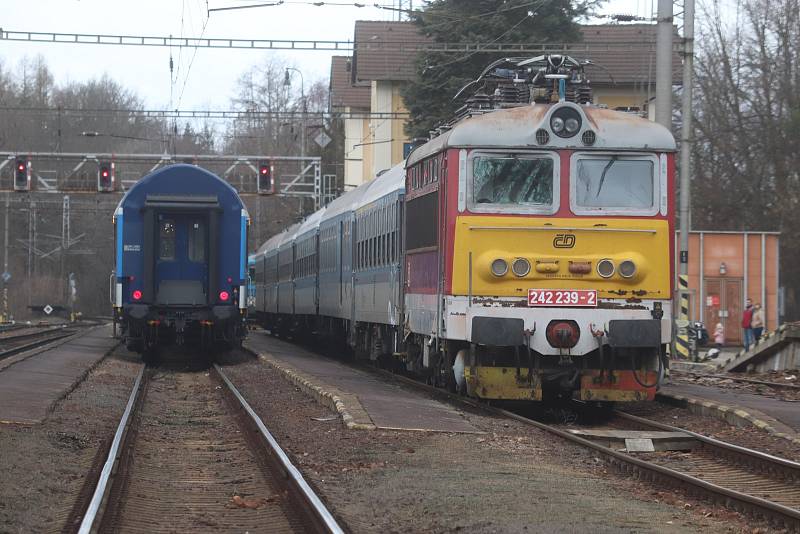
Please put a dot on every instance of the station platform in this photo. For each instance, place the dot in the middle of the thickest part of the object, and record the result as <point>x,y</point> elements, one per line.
<point>363,399</point>
<point>32,383</point>
<point>783,416</point>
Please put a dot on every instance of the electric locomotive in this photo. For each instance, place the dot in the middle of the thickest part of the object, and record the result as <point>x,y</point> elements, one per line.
<point>523,253</point>
<point>181,263</point>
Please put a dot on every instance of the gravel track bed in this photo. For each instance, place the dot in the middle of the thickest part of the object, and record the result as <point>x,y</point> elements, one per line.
<point>786,378</point>
<point>44,466</point>
<point>514,478</point>
<point>750,437</point>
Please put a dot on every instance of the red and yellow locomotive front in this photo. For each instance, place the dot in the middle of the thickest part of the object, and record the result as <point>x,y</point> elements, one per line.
<point>556,252</point>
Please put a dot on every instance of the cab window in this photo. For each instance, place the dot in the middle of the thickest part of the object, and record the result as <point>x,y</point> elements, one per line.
<point>614,183</point>
<point>513,182</point>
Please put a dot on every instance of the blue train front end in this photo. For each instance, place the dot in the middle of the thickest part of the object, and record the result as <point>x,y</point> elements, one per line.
<point>181,261</point>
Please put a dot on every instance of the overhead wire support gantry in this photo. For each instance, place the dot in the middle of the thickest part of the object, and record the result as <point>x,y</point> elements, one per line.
<point>313,45</point>
<point>210,113</point>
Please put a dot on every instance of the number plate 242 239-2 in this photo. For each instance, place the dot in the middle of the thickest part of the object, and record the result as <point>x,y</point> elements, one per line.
<point>583,298</point>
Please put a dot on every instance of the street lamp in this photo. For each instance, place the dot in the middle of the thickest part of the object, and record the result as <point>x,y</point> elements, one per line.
<point>287,82</point>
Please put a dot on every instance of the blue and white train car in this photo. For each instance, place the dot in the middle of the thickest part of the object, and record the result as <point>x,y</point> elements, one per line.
<point>306,287</point>
<point>181,260</point>
<point>343,265</point>
<point>378,249</point>
<point>336,231</point>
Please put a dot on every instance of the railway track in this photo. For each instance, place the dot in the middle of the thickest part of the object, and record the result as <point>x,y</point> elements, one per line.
<point>191,455</point>
<point>14,342</point>
<point>745,480</point>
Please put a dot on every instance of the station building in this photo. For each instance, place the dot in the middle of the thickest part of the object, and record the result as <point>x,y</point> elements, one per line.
<point>371,80</point>
<point>727,268</point>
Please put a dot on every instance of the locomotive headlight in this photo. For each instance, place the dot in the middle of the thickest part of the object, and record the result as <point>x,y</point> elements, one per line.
<point>499,267</point>
<point>605,268</point>
<point>572,125</point>
<point>627,269</point>
<point>565,121</point>
<point>521,267</point>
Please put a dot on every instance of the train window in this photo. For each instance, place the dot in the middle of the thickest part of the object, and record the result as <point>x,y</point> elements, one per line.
<point>197,241</point>
<point>422,221</point>
<point>512,181</point>
<point>166,241</point>
<point>614,182</point>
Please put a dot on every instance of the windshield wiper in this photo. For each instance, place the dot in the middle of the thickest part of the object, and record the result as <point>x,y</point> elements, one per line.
<point>603,175</point>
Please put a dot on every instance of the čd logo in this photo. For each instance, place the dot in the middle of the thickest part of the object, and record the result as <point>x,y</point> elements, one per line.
<point>564,241</point>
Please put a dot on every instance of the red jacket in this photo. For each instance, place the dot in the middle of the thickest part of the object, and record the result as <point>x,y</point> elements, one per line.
<point>747,317</point>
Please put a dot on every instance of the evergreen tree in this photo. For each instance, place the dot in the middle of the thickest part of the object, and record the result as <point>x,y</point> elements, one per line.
<point>429,97</point>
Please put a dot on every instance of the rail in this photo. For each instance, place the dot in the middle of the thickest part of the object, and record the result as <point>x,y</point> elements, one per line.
<point>785,516</point>
<point>300,495</point>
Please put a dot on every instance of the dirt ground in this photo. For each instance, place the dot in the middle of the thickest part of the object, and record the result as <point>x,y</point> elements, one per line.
<point>44,466</point>
<point>513,478</point>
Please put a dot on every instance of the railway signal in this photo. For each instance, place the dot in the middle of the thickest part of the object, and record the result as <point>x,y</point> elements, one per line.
<point>22,174</point>
<point>265,183</point>
<point>105,176</point>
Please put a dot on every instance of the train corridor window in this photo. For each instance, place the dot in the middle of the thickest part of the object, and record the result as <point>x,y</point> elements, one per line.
<point>614,182</point>
<point>197,241</point>
<point>509,181</point>
<point>166,240</point>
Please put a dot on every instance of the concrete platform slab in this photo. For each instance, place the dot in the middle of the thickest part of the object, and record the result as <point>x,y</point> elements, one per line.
<point>29,387</point>
<point>366,399</point>
<point>787,413</point>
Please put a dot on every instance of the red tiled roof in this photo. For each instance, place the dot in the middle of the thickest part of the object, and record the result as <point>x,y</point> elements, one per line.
<point>343,92</point>
<point>627,51</point>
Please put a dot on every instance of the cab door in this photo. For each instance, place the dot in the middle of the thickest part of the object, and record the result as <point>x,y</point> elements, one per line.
<point>182,259</point>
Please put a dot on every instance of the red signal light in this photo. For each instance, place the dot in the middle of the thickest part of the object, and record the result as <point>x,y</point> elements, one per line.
<point>264,170</point>
<point>224,296</point>
<point>137,295</point>
<point>105,173</point>
<point>21,167</point>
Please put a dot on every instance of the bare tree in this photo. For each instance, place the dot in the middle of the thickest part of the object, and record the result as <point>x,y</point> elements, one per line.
<point>748,128</point>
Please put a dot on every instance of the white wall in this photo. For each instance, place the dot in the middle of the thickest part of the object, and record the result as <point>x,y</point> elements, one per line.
<point>381,128</point>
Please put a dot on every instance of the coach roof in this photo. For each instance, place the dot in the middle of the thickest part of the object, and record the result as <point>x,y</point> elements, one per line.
<point>182,182</point>
<point>388,182</point>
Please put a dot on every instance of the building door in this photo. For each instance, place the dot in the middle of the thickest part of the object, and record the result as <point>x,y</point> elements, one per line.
<point>724,305</point>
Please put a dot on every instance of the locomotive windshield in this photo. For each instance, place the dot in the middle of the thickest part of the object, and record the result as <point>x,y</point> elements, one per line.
<point>511,181</point>
<point>614,182</point>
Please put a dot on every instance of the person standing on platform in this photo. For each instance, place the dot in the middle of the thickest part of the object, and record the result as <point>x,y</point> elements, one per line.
<point>719,335</point>
<point>757,323</point>
<point>747,320</point>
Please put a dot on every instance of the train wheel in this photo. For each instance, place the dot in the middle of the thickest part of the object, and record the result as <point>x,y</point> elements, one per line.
<point>150,355</point>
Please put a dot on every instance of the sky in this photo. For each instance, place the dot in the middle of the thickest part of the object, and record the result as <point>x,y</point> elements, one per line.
<point>205,79</point>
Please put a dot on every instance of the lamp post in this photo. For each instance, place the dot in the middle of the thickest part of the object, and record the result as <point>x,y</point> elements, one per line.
<point>287,82</point>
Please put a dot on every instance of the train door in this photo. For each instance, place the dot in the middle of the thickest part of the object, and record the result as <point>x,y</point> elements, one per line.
<point>339,262</point>
<point>182,259</point>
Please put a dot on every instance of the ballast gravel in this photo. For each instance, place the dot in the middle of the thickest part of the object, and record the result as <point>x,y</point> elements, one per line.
<point>513,478</point>
<point>44,466</point>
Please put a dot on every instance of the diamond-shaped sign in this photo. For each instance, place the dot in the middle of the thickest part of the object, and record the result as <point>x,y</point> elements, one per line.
<point>47,309</point>
<point>322,139</point>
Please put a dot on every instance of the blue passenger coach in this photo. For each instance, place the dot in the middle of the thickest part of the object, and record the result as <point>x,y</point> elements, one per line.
<point>181,260</point>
